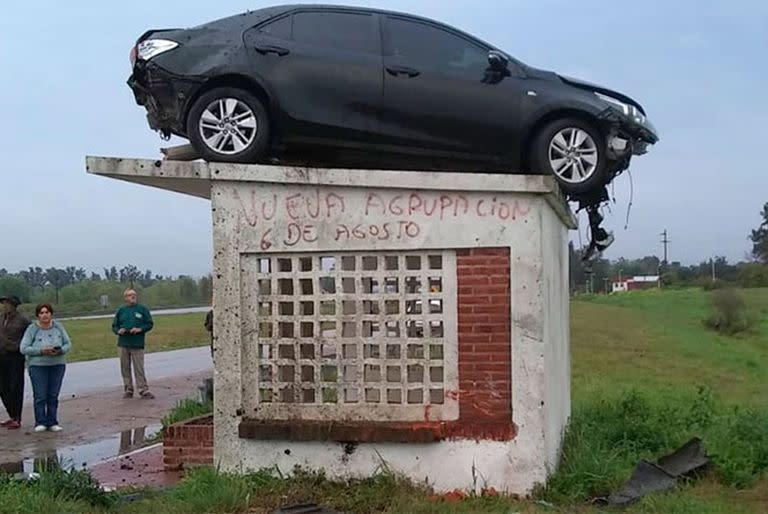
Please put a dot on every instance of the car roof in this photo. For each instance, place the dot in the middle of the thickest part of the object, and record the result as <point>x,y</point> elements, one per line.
<point>259,15</point>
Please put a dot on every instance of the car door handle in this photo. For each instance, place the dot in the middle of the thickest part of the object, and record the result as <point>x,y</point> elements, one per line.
<point>402,70</point>
<point>272,49</point>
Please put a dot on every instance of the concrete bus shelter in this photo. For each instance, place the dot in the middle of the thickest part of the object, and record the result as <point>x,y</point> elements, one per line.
<point>373,319</point>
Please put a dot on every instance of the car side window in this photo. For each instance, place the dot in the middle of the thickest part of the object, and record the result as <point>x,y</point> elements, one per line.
<point>426,47</point>
<point>280,28</point>
<point>342,30</point>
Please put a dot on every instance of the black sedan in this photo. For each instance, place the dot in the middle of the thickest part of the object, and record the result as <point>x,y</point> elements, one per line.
<point>389,89</point>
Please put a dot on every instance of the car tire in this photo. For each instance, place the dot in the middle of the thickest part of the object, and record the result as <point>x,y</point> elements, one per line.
<point>229,124</point>
<point>573,152</point>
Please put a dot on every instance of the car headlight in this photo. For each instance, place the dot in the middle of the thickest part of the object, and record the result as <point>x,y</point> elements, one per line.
<point>153,47</point>
<point>629,110</point>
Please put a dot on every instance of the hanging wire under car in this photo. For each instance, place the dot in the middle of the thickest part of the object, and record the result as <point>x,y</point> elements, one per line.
<point>631,198</point>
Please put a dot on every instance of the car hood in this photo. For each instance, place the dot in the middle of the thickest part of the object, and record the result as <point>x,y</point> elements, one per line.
<point>582,84</point>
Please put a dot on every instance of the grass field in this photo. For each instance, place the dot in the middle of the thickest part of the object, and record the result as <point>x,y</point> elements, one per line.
<point>93,338</point>
<point>647,376</point>
<point>655,339</point>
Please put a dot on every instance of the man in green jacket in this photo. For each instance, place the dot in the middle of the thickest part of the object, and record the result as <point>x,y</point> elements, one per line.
<point>132,321</point>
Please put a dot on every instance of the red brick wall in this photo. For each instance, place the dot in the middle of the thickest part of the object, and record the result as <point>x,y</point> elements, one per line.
<point>485,369</point>
<point>188,444</point>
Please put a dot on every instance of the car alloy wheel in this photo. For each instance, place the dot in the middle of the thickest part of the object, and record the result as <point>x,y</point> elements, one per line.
<point>573,155</point>
<point>228,126</point>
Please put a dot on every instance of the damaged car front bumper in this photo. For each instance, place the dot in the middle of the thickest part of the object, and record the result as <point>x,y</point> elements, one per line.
<point>626,122</point>
<point>634,128</point>
<point>164,96</point>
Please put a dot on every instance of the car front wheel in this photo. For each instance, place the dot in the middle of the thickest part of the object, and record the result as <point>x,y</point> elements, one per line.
<point>229,125</point>
<point>573,152</point>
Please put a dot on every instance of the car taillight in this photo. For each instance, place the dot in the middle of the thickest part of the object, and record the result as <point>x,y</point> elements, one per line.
<point>150,48</point>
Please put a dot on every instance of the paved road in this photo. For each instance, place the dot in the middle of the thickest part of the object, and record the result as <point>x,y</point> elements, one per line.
<point>158,312</point>
<point>93,376</point>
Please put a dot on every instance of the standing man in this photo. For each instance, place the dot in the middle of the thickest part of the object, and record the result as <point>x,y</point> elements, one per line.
<point>12,328</point>
<point>131,322</point>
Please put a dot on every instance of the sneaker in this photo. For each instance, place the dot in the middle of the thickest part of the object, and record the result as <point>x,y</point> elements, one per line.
<point>55,428</point>
<point>127,395</point>
<point>13,424</point>
<point>147,395</point>
<point>40,428</point>
<point>6,423</point>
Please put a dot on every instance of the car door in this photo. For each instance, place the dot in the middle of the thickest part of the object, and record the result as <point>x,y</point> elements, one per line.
<point>439,94</point>
<point>324,69</point>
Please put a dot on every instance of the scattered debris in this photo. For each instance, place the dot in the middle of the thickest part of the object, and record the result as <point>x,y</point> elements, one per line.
<point>180,153</point>
<point>600,239</point>
<point>661,476</point>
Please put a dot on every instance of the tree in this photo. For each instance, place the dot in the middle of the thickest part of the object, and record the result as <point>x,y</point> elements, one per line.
<point>130,274</point>
<point>16,286</point>
<point>759,238</point>
<point>58,278</point>
<point>146,279</point>
<point>576,274</point>
<point>111,275</point>
<point>35,277</point>
<point>79,274</point>
<point>187,289</point>
<point>753,274</point>
<point>206,289</point>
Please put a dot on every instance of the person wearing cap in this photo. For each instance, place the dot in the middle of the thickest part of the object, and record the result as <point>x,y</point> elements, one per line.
<point>12,327</point>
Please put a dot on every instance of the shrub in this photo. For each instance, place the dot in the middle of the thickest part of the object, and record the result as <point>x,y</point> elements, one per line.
<point>731,316</point>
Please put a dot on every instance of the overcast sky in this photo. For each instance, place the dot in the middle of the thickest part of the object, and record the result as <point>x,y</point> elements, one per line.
<point>698,67</point>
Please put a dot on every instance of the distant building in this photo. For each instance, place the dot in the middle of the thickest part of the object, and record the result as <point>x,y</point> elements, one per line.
<point>636,283</point>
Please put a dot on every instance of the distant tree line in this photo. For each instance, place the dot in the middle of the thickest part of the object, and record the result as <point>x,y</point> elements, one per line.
<point>77,291</point>
<point>674,274</point>
<point>748,273</point>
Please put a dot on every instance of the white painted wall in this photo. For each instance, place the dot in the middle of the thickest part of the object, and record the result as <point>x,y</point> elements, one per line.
<point>557,399</point>
<point>460,220</point>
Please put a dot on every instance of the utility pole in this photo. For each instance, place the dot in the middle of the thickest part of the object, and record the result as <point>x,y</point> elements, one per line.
<point>665,241</point>
<point>714,277</point>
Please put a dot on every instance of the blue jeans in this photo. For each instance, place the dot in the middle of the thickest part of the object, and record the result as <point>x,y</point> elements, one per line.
<point>46,384</point>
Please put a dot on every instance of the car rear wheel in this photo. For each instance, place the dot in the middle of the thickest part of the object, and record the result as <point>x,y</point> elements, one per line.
<point>229,125</point>
<point>573,151</point>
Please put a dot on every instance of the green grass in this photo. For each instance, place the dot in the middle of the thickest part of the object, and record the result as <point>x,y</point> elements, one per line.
<point>647,376</point>
<point>186,409</point>
<point>653,340</point>
<point>611,433</point>
<point>93,338</point>
<point>55,491</point>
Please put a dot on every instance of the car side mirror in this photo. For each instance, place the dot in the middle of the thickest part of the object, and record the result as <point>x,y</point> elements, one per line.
<point>497,61</point>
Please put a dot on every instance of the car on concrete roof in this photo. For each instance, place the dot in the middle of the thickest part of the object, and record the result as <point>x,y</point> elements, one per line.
<point>320,84</point>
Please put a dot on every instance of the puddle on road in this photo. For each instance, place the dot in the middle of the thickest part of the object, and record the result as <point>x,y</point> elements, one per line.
<point>87,454</point>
